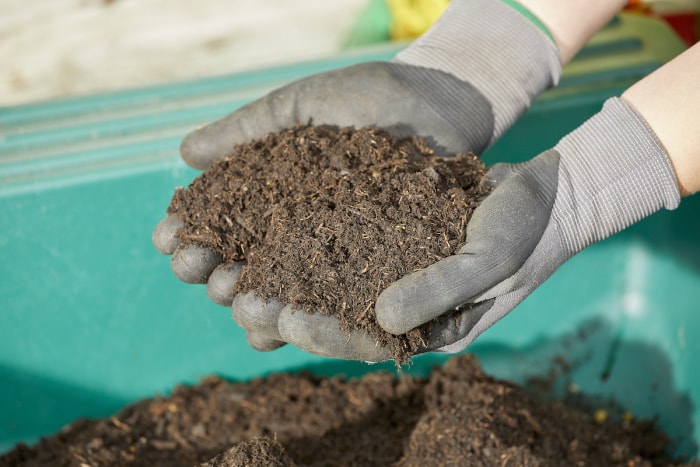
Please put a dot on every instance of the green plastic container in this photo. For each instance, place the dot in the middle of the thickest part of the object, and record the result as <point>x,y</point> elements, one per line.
<point>92,318</point>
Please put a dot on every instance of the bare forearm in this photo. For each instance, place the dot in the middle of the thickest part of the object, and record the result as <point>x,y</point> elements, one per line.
<point>669,100</point>
<point>573,22</point>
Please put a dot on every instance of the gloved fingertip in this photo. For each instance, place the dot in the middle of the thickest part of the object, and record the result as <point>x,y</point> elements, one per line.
<point>256,314</point>
<point>198,149</point>
<point>262,343</point>
<point>386,309</point>
<point>163,236</point>
<point>194,264</point>
<point>221,281</point>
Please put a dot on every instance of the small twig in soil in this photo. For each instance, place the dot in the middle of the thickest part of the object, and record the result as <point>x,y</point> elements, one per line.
<point>119,424</point>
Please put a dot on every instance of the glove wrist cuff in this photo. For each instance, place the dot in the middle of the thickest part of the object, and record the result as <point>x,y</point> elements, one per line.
<point>496,49</point>
<point>614,172</point>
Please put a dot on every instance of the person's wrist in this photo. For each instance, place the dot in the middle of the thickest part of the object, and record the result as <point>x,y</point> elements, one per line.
<point>667,100</point>
<point>572,24</point>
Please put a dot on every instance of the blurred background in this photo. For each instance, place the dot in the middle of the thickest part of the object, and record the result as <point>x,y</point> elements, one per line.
<point>95,98</point>
<point>62,48</point>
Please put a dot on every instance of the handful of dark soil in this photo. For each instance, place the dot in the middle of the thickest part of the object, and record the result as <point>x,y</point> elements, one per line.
<point>328,218</point>
<point>459,416</point>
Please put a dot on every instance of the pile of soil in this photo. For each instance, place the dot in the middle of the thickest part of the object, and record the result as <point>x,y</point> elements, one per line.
<point>457,416</point>
<point>257,451</point>
<point>327,218</point>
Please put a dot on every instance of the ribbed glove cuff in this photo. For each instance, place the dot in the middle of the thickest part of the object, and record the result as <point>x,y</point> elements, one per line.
<point>613,172</point>
<point>494,48</point>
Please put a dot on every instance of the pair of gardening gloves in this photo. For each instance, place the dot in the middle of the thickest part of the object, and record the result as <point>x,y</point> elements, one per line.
<point>460,86</point>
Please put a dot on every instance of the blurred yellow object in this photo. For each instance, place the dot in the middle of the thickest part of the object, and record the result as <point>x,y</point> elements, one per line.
<point>411,18</point>
<point>600,416</point>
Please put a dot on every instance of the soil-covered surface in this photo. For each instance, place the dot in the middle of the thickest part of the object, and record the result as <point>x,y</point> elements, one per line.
<point>457,416</point>
<point>327,218</point>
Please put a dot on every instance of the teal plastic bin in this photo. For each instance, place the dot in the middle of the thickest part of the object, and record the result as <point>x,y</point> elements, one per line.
<point>92,318</point>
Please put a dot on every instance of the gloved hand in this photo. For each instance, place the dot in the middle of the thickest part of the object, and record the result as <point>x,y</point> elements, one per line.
<point>604,176</point>
<point>461,85</point>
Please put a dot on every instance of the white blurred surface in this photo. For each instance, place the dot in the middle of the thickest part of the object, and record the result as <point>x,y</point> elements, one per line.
<point>59,48</point>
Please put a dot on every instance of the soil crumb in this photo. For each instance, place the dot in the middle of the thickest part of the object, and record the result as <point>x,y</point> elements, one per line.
<point>456,416</point>
<point>258,452</point>
<point>327,218</point>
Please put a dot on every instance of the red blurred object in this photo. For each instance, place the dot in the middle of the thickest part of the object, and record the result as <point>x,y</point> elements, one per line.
<point>685,25</point>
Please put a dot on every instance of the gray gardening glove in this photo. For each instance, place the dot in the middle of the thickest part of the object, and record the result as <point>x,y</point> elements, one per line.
<point>461,85</point>
<point>604,176</point>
